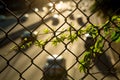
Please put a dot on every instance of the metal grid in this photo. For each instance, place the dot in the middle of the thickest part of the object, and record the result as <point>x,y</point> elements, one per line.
<point>13,69</point>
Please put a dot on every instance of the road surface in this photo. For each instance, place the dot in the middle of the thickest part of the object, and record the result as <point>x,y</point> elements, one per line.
<point>28,64</point>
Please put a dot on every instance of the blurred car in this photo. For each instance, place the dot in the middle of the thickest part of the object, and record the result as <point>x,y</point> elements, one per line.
<point>55,68</point>
<point>55,19</point>
<point>36,9</point>
<point>80,20</point>
<point>2,18</point>
<point>60,6</point>
<point>50,5</point>
<point>28,36</point>
<point>72,17</point>
<point>24,18</point>
<point>89,41</point>
<point>44,9</point>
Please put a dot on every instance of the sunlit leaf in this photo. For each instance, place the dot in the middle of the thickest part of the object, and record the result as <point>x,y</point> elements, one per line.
<point>46,31</point>
<point>118,40</point>
<point>25,39</point>
<point>55,42</point>
<point>114,17</point>
<point>29,43</point>
<point>22,47</point>
<point>115,36</point>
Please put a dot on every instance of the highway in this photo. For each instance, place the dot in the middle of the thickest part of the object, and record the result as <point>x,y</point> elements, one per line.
<point>29,63</point>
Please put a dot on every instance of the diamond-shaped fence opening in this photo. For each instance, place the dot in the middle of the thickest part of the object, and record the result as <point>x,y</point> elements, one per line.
<point>58,40</point>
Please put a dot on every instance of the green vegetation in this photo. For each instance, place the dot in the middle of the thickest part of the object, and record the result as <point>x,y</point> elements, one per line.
<point>109,30</point>
<point>101,33</point>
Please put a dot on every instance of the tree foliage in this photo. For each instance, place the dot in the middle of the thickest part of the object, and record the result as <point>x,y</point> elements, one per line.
<point>106,6</point>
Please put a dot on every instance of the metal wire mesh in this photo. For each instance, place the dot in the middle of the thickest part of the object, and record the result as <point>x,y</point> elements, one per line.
<point>21,61</point>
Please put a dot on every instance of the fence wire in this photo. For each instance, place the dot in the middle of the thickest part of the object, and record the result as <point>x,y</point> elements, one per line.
<point>31,30</point>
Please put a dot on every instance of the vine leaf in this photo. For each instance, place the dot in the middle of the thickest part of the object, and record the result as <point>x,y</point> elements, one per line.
<point>85,62</point>
<point>72,37</point>
<point>115,36</point>
<point>118,40</point>
<point>46,31</point>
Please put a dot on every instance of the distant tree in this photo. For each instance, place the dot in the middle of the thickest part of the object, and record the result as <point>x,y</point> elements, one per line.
<point>107,6</point>
<point>13,4</point>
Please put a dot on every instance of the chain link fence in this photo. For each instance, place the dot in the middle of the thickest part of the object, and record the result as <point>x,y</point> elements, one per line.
<point>31,30</point>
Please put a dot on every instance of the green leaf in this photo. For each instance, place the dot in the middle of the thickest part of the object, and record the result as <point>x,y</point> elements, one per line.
<point>114,18</point>
<point>82,66</point>
<point>46,31</point>
<point>63,37</point>
<point>115,36</point>
<point>72,37</point>
<point>40,43</point>
<point>25,39</point>
<point>118,40</point>
<point>29,43</point>
<point>86,61</point>
<point>98,45</point>
<point>56,41</point>
<point>118,19</point>
<point>14,48</point>
<point>22,47</point>
<point>106,27</point>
